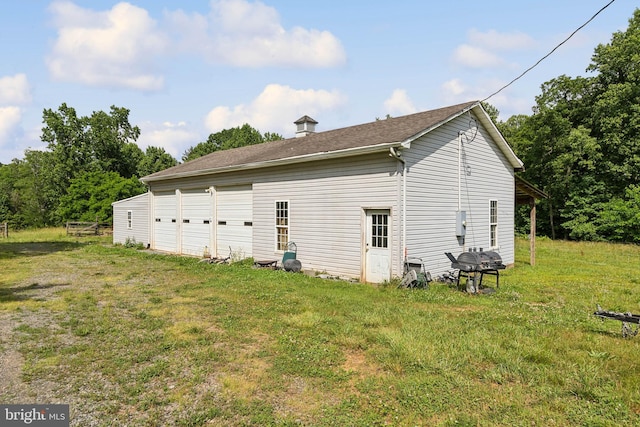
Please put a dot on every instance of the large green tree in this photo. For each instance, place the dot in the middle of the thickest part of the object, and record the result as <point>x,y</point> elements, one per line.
<point>229,138</point>
<point>615,104</point>
<point>90,195</point>
<point>582,144</point>
<point>100,142</point>
<point>619,219</point>
<point>20,202</point>
<point>43,189</point>
<point>155,159</point>
<point>111,142</point>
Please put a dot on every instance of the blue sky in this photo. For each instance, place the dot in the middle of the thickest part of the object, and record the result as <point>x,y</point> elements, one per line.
<point>188,68</point>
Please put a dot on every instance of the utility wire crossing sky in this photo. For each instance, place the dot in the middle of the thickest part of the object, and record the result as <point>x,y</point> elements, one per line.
<point>187,69</point>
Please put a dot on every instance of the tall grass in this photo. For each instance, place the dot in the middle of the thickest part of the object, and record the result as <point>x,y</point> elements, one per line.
<point>143,339</point>
<point>50,234</point>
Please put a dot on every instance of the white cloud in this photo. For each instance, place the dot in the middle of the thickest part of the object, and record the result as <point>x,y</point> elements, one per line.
<point>245,34</point>
<point>9,121</point>
<point>500,41</point>
<point>275,109</point>
<point>15,138</point>
<point>119,47</point>
<point>456,91</point>
<point>115,48</point>
<point>175,138</point>
<point>476,57</point>
<point>454,87</point>
<point>15,90</point>
<point>480,51</point>
<point>15,93</point>
<point>399,104</point>
<point>244,18</point>
<point>10,127</point>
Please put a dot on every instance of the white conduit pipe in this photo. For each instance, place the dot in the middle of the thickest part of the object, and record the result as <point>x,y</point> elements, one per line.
<point>459,172</point>
<point>394,153</point>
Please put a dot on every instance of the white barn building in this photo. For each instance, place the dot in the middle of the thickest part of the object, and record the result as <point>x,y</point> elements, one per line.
<point>356,201</point>
<point>131,220</point>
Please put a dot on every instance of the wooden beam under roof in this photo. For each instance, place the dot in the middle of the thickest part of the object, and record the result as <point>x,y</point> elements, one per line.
<point>527,193</point>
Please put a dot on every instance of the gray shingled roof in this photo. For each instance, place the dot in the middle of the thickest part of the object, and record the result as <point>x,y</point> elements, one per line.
<point>379,132</point>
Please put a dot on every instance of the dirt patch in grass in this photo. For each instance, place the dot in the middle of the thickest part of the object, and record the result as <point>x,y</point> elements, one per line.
<point>11,361</point>
<point>25,311</point>
<point>13,387</point>
<point>301,401</point>
<point>356,362</point>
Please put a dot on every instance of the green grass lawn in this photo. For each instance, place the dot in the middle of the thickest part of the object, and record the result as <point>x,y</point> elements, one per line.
<point>127,337</point>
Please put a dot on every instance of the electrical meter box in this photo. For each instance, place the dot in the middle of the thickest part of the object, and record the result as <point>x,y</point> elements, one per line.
<point>461,223</point>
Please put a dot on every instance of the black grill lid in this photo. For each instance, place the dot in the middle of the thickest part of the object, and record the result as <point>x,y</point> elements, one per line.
<point>476,261</point>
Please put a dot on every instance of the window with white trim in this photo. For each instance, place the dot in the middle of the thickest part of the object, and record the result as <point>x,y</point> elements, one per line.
<point>493,223</point>
<point>129,220</point>
<point>282,225</point>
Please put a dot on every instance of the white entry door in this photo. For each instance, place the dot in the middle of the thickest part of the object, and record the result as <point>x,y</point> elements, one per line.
<point>378,246</point>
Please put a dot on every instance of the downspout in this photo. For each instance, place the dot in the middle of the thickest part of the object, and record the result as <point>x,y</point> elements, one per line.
<point>396,155</point>
<point>459,172</point>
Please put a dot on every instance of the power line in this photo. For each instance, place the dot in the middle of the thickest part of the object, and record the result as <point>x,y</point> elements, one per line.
<point>548,54</point>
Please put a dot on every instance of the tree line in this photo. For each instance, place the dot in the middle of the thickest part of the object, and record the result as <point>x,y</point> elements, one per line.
<point>581,145</point>
<point>90,162</point>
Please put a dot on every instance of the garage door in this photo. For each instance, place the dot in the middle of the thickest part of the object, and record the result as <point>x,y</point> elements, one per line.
<point>164,221</point>
<point>196,216</point>
<point>234,220</point>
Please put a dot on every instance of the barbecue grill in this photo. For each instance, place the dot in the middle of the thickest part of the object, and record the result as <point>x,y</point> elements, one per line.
<point>474,265</point>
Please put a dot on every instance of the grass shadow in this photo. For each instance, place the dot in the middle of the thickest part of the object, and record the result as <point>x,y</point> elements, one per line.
<point>29,249</point>
<point>23,293</point>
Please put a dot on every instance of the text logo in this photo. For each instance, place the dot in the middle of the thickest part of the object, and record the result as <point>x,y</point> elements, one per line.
<point>34,415</point>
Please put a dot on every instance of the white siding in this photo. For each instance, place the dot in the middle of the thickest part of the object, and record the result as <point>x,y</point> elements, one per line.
<point>139,207</point>
<point>432,194</point>
<point>327,201</point>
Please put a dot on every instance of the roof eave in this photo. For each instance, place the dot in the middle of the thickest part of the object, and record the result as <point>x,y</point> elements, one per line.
<point>515,162</point>
<point>407,142</point>
<point>278,162</point>
<point>529,189</point>
<point>130,198</point>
